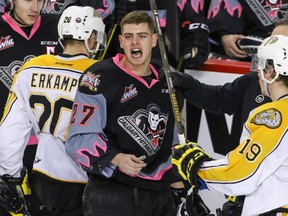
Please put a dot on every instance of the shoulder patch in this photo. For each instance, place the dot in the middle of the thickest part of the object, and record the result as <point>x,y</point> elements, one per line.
<point>270,118</point>
<point>89,81</point>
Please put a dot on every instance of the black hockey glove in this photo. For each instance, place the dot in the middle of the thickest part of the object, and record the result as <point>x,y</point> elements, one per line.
<point>123,7</point>
<point>179,195</point>
<point>187,159</point>
<point>180,79</point>
<point>14,193</point>
<point>195,45</point>
<point>249,44</point>
<point>193,206</point>
<point>233,207</point>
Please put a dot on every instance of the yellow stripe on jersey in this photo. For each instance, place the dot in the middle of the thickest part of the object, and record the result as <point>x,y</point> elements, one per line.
<point>266,128</point>
<point>10,100</point>
<point>53,61</point>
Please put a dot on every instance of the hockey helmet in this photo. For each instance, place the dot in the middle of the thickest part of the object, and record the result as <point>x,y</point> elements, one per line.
<point>273,52</point>
<point>79,23</point>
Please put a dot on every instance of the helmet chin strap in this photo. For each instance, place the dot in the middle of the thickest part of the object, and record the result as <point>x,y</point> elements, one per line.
<point>266,82</point>
<point>266,88</point>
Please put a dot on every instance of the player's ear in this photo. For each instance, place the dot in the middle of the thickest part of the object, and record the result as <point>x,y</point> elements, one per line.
<point>120,40</point>
<point>91,41</point>
<point>154,40</point>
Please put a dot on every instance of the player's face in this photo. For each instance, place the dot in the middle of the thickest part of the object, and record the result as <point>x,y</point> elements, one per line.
<point>137,42</point>
<point>27,11</point>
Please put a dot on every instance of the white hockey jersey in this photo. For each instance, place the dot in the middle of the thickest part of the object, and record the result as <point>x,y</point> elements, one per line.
<point>258,167</point>
<point>41,97</point>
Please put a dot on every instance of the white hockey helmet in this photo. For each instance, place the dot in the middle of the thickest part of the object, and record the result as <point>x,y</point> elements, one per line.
<point>273,52</point>
<point>79,23</point>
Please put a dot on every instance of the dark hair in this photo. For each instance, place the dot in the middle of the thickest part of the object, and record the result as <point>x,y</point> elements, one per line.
<point>136,17</point>
<point>281,22</point>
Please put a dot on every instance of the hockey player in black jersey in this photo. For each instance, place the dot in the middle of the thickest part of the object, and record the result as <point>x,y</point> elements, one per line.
<point>24,34</point>
<point>41,97</point>
<point>187,35</point>
<point>123,129</point>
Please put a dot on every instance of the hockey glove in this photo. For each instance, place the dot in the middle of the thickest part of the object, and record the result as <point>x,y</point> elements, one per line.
<point>187,159</point>
<point>122,8</point>
<point>249,44</point>
<point>195,45</point>
<point>14,193</point>
<point>193,206</point>
<point>179,195</point>
<point>180,79</point>
<point>233,207</point>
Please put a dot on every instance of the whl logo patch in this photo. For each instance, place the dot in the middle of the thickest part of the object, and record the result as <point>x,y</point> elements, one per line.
<point>6,42</point>
<point>129,92</point>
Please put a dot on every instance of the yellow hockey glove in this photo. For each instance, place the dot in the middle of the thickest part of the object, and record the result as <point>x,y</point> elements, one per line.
<point>14,194</point>
<point>187,159</point>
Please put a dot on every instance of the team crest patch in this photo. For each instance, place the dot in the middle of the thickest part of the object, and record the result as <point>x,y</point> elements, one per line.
<point>270,118</point>
<point>90,80</point>
<point>146,127</point>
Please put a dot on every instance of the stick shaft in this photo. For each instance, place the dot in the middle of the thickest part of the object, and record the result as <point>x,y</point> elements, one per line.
<point>166,66</point>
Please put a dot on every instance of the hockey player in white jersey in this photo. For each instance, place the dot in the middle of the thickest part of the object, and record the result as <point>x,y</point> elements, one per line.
<point>41,97</point>
<point>257,168</point>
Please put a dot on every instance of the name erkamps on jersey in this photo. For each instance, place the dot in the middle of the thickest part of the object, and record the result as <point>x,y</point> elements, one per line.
<point>6,42</point>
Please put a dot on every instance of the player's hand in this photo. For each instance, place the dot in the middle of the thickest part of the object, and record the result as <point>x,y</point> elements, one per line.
<point>233,207</point>
<point>179,195</point>
<point>14,194</point>
<point>187,159</point>
<point>229,43</point>
<point>180,79</point>
<point>129,164</point>
<point>193,205</point>
<point>195,45</point>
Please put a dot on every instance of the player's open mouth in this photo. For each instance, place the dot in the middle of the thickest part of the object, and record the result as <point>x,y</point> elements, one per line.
<point>136,53</point>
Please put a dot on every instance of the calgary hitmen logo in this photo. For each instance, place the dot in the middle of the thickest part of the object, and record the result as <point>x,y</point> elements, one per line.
<point>146,127</point>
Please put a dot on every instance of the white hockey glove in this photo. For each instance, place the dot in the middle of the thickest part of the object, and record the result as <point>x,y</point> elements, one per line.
<point>14,193</point>
<point>249,44</point>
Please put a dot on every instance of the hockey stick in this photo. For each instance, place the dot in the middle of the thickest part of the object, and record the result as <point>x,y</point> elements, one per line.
<point>168,73</point>
<point>111,35</point>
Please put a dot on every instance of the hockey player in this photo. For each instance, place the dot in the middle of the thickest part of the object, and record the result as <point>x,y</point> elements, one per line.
<point>122,133</point>
<point>189,30</point>
<point>260,160</point>
<point>24,34</point>
<point>41,97</point>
